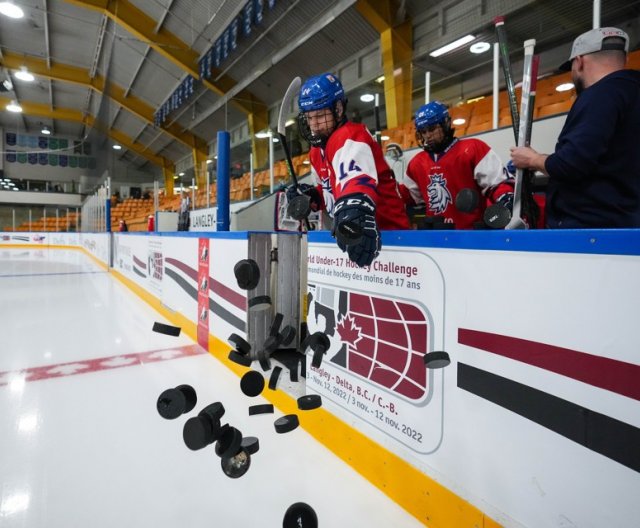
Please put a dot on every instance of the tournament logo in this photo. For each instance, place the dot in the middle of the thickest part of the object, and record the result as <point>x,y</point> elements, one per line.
<point>439,195</point>
<point>381,340</point>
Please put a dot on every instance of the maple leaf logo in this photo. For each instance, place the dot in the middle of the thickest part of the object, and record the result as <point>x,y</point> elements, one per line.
<point>348,331</point>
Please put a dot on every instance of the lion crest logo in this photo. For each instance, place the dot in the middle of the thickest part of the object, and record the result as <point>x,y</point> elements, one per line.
<point>439,195</point>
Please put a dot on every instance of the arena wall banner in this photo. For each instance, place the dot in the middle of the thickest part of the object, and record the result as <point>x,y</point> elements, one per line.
<point>98,245</point>
<point>537,418</point>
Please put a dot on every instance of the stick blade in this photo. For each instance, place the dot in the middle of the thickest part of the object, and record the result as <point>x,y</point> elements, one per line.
<point>289,95</point>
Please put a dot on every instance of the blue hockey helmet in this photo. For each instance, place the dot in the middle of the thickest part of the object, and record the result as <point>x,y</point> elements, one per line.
<point>320,91</point>
<point>433,113</point>
<point>429,115</point>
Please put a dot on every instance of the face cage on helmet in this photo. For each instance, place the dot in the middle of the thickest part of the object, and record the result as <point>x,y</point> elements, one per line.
<point>447,138</point>
<point>321,140</point>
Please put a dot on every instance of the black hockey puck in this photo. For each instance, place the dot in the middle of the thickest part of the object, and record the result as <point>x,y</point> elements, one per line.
<point>287,335</point>
<point>274,330</point>
<point>261,302</point>
<point>467,200</point>
<point>237,465</point>
<point>300,515</point>
<point>162,328</point>
<point>309,402</point>
<point>265,362</point>
<point>228,444</point>
<point>250,444</point>
<point>238,358</point>
<point>287,423</point>
<point>215,411</point>
<point>435,360</point>
<point>252,383</point>
<point>496,216</point>
<point>247,274</point>
<point>273,380</point>
<point>177,401</point>
<point>348,233</point>
<point>263,408</point>
<point>299,207</point>
<point>198,432</point>
<point>293,373</point>
<point>239,343</point>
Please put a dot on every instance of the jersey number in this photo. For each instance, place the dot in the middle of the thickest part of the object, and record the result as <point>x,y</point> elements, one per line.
<point>352,167</point>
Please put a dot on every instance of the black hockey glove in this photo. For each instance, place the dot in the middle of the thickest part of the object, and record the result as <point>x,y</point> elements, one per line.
<point>498,215</point>
<point>302,198</point>
<point>355,228</point>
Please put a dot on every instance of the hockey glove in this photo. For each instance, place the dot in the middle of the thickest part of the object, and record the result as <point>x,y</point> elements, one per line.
<point>355,228</point>
<point>302,198</point>
<point>498,215</point>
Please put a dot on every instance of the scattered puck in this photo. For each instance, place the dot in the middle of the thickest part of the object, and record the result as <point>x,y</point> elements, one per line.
<point>263,408</point>
<point>265,362</point>
<point>496,216</point>
<point>348,233</point>
<point>175,402</point>
<point>198,432</point>
<point>435,360</point>
<point>300,515</point>
<point>299,207</point>
<point>293,373</point>
<point>237,465</point>
<point>273,380</point>
<point>215,411</point>
<point>309,402</point>
<point>252,383</point>
<point>261,302</point>
<point>228,445</point>
<point>317,358</point>
<point>239,343</point>
<point>250,444</point>
<point>238,358</point>
<point>275,325</point>
<point>467,200</point>
<point>247,274</point>
<point>162,328</point>
<point>287,335</point>
<point>271,344</point>
<point>286,423</point>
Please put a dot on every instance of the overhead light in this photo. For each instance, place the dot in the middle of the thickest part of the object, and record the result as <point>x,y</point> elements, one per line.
<point>475,99</point>
<point>290,122</point>
<point>453,45</point>
<point>24,75</point>
<point>209,162</point>
<point>367,98</point>
<point>276,140</point>
<point>181,174</point>
<point>117,147</point>
<point>459,121</point>
<point>306,162</point>
<point>385,138</point>
<point>380,79</point>
<point>565,87</point>
<point>479,47</point>
<point>45,130</point>
<point>175,176</point>
<point>11,10</point>
<point>16,189</point>
<point>263,134</point>
<point>14,107</point>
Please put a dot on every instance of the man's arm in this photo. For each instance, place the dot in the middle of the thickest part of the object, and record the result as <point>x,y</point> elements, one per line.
<point>527,158</point>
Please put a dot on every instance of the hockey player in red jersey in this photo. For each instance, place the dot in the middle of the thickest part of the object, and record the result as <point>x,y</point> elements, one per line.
<point>357,187</point>
<point>449,165</point>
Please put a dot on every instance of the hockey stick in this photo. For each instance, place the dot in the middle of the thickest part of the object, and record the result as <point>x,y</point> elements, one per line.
<point>300,207</point>
<point>529,81</point>
<point>506,71</point>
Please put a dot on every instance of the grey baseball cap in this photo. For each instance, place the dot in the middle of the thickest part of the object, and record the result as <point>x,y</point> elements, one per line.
<point>593,41</point>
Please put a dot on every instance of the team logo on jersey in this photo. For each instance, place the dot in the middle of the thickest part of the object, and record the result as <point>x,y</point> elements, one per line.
<point>439,195</point>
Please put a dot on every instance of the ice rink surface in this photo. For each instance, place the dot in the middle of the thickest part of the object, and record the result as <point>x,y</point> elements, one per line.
<point>81,442</point>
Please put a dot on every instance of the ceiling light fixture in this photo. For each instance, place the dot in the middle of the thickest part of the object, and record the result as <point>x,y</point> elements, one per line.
<point>24,75</point>
<point>11,10</point>
<point>14,107</point>
<point>459,121</point>
<point>380,79</point>
<point>367,98</point>
<point>564,87</point>
<point>479,47</point>
<point>181,174</point>
<point>263,134</point>
<point>209,162</point>
<point>452,45</point>
<point>117,147</point>
<point>45,130</point>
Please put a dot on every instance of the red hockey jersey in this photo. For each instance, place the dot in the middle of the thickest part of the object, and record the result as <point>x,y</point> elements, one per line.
<point>352,162</point>
<point>436,179</point>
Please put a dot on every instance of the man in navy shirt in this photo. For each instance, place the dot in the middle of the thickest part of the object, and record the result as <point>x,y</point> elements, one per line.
<point>594,173</point>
